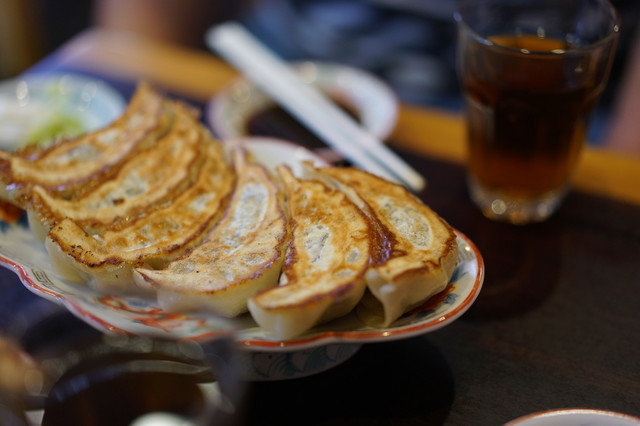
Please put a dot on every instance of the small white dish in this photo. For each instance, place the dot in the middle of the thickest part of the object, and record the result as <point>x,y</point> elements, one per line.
<point>576,417</point>
<point>229,112</point>
<point>321,348</point>
<point>34,106</point>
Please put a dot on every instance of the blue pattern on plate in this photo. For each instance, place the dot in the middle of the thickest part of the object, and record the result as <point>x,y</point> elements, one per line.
<point>300,363</point>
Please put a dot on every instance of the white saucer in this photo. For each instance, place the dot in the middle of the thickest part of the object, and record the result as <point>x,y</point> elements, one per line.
<point>576,417</point>
<point>369,97</point>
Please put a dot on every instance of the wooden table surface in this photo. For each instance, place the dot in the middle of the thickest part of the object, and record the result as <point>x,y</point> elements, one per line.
<point>556,324</point>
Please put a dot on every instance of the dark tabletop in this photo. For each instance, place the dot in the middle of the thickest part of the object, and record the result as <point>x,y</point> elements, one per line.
<point>556,325</point>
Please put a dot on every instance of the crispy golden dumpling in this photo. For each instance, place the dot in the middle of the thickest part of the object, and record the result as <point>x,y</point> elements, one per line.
<point>149,179</point>
<point>421,252</point>
<point>328,255</point>
<point>242,254</point>
<point>71,167</point>
<point>105,260</point>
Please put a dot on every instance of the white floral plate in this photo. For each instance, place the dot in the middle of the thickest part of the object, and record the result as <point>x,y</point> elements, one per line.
<point>322,347</point>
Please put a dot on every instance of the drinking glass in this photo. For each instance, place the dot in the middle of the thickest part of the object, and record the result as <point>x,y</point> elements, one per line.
<point>532,72</point>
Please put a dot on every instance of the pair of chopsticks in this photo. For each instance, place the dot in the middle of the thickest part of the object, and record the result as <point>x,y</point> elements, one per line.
<point>309,105</point>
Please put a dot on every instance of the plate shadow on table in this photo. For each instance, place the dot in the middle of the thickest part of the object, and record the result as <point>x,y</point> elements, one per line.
<point>522,268</point>
<point>521,262</point>
<point>524,263</point>
<point>400,382</point>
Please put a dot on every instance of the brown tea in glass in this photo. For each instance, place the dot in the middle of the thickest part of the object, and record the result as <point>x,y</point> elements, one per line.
<point>532,74</point>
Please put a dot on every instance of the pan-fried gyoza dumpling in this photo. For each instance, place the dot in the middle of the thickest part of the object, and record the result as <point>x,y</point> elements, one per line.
<point>241,255</point>
<point>328,255</point>
<point>422,248</point>
<point>106,260</point>
<point>73,166</point>
<point>152,177</point>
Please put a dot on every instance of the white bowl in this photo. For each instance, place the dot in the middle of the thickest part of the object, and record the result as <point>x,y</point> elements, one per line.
<point>576,417</point>
<point>372,100</point>
<point>31,104</point>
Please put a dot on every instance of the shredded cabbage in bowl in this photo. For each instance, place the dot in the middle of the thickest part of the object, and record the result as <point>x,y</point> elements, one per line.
<point>40,109</point>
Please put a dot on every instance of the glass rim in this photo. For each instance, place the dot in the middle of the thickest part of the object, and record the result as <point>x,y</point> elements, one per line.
<point>613,33</point>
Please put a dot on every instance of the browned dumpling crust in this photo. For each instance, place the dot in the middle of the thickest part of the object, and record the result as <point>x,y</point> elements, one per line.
<point>421,248</point>
<point>71,167</point>
<point>149,179</point>
<point>106,259</point>
<point>241,255</point>
<point>332,242</point>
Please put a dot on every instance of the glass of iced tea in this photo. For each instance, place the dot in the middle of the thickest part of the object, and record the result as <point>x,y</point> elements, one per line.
<point>532,72</point>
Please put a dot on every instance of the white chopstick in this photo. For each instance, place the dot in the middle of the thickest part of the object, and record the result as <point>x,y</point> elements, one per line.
<point>309,105</point>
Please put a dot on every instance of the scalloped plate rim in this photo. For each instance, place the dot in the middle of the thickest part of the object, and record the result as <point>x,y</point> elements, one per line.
<point>138,315</point>
<point>372,335</point>
<point>316,338</point>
